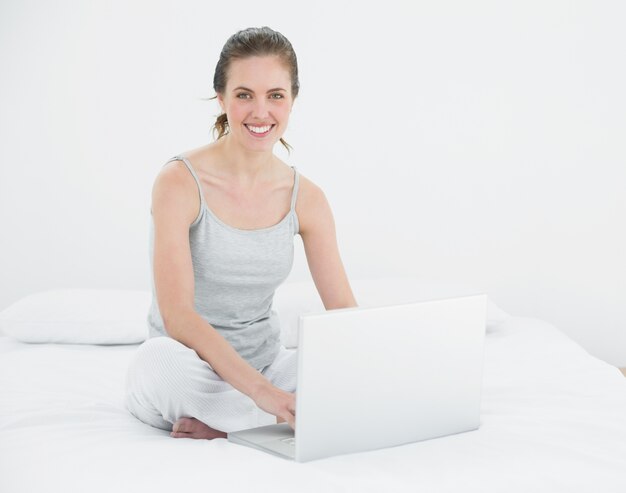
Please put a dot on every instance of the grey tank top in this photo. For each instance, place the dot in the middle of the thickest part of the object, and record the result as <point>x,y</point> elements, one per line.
<point>236,272</point>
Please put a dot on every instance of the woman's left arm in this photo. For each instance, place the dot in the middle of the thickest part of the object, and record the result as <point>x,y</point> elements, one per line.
<point>317,230</point>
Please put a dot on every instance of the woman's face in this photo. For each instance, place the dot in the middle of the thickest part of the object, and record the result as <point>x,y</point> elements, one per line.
<point>257,95</point>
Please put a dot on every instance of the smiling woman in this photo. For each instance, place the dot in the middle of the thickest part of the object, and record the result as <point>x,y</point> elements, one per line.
<point>238,47</point>
<point>223,221</point>
<point>259,112</point>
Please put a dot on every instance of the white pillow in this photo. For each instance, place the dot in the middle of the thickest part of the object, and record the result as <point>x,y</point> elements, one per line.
<point>79,316</point>
<point>297,297</point>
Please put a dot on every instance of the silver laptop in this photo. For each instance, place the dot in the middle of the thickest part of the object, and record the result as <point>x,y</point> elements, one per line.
<point>376,377</point>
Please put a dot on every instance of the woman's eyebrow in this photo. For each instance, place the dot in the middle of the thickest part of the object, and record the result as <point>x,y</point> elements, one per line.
<point>250,90</point>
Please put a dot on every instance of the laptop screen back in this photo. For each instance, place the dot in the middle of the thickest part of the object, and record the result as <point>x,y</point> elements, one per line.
<point>370,378</point>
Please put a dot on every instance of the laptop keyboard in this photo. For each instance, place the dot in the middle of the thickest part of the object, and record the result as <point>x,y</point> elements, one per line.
<point>289,441</point>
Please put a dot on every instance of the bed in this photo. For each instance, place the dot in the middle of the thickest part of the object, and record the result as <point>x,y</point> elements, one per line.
<point>553,417</point>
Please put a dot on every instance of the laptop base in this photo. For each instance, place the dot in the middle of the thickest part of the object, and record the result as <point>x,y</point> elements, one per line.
<point>276,439</point>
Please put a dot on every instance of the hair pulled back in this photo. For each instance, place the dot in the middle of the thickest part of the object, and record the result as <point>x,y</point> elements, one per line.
<point>253,41</point>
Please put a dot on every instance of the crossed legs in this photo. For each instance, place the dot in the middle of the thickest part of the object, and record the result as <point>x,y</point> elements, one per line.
<point>168,386</point>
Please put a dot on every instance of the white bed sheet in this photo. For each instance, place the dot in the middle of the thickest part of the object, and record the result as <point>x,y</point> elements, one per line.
<point>553,419</point>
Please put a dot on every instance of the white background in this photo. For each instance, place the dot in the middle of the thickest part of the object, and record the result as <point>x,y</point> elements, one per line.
<point>478,141</point>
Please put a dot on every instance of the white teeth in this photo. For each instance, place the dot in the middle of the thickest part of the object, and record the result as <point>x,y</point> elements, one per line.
<point>259,130</point>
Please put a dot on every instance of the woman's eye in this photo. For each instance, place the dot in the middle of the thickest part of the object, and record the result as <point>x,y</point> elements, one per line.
<point>280,96</point>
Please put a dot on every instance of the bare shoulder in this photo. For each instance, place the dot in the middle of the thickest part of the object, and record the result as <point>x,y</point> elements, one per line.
<point>312,206</point>
<point>174,193</point>
<point>308,191</point>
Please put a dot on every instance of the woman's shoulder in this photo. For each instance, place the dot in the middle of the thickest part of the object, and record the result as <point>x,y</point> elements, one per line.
<point>308,191</point>
<point>173,189</point>
<point>174,177</point>
<point>312,206</point>
<point>176,172</point>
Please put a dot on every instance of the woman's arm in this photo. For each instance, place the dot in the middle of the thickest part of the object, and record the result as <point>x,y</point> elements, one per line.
<point>175,204</point>
<point>317,229</point>
<point>195,332</point>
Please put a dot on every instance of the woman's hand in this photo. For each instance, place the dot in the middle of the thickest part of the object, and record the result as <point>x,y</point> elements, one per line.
<point>277,402</point>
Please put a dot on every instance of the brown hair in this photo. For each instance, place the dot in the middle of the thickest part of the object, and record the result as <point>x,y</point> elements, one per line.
<point>254,41</point>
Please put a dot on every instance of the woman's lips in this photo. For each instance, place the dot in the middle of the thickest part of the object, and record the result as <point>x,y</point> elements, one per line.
<point>258,135</point>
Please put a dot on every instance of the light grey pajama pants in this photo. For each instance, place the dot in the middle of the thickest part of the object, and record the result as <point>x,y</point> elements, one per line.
<point>167,380</point>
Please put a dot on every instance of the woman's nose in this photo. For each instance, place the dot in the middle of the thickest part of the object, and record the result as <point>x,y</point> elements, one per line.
<point>261,108</point>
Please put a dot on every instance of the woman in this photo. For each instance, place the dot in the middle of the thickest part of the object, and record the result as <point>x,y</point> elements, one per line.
<point>223,220</point>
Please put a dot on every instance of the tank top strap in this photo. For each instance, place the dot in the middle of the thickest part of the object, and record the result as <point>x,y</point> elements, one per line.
<point>294,194</point>
<point>193,173</point>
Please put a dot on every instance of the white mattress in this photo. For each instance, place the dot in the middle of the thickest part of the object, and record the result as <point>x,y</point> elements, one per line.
<point>553,419</point>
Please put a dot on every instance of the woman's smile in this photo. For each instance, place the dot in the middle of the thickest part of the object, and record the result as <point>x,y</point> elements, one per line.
<point>259,132</point>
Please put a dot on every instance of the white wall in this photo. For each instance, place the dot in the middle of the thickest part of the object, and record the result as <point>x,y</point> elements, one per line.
<point>474,141</point>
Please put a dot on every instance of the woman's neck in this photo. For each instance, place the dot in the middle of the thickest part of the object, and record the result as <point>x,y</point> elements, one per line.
<point>242,165</point>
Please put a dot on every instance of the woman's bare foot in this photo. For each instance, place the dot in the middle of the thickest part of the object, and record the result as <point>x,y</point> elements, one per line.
<point>193,428</point>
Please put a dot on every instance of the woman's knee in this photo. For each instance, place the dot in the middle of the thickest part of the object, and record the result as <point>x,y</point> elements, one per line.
<point>162,352</point>
<point>283,372</point>
<point>160,345</point>
<point>159,361</point>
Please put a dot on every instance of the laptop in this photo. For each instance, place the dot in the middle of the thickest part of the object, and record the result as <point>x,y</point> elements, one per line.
<point>376,377</point>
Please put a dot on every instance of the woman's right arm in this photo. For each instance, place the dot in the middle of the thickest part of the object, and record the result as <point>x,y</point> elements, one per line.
<point>175,205</point>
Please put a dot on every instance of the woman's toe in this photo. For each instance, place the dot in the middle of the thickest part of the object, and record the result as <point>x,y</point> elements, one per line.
<point>182,425</point>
